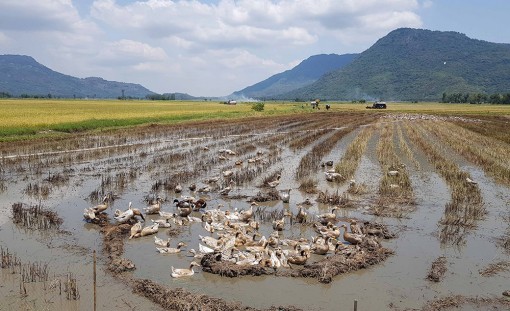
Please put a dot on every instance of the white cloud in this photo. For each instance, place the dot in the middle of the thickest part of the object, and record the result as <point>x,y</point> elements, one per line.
<point>27,15</point>
<point>199,47</point>
<point>129,52</point>
<point>251,22</point>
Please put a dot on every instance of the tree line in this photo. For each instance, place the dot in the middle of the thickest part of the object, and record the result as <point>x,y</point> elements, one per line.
<point>476,98</point>
<point>24,95</point>
<point>160,96</point>
<point>49,95</point>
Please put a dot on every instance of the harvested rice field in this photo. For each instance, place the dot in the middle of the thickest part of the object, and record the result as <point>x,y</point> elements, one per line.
<point>301,211</point>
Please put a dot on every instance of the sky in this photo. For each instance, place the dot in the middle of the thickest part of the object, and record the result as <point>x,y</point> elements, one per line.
<point>217,47</point>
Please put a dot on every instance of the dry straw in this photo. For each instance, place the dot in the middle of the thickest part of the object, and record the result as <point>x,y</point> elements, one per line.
<point>466,204</point>
<point>350,161</point>
<point>395,189</point>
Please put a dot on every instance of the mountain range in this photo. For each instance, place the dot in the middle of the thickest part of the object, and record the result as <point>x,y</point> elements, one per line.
<point>307,72</point>
<point>416,64</point>
<point>407,64</point>
<point>20,74</point>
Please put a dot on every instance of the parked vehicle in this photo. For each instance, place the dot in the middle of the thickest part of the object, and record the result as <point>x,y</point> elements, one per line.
<point>377,105</point>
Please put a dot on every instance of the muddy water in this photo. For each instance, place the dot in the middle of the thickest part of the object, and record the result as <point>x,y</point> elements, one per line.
<point>400,280</point>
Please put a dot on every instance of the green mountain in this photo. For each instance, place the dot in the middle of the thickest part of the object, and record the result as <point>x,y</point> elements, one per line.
<point>21,74</point>
<point>416,64</point>
<point>307,72</point>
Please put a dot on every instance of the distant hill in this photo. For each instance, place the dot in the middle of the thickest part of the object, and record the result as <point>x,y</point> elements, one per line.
<point>416,64</point>
<point>307,72</point>
<point>21,74</point>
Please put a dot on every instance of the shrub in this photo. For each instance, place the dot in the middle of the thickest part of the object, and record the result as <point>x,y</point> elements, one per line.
<point>257,106</point>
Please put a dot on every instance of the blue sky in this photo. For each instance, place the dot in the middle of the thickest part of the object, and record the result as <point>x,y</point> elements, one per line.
<point>216,47</point>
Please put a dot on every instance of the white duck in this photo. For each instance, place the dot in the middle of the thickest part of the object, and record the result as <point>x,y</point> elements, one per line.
<point>125,216</point>
<point>89,214</point>
<point>279,224</point>
<point>470,181</point>
<point>178,188</point>
<point>321,248</point>
<point>250,260</point>
<point>333,176</point>
<point>135,230</point>
<point>351,237</point>
<point>228,173</point>
<point>328,217</point>
<point>208,227</point>
<point>154,208</point>
<point>167,215</point>
<point>194,219</point>
<point>161,242</point>
<point>274,183</point>
<point>177,273</point>
<point>275,262</point>
<point>226,190</point>
<point>301,216</point>
<point>209,241</point>
<point>184,211</point>
<point>355,227</point>
<point>171,250</point>
<point>204,249</point>
<point>150,230</point>
<point>101,207</point>
<point>247,214</point>
<point>163,223</point>
<point>204,189</point>
<point>196,255</point>
<point>285,196</point>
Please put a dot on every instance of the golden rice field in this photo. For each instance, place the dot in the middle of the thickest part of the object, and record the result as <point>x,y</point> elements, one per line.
<point>50,112</point>
<point>36,118</point>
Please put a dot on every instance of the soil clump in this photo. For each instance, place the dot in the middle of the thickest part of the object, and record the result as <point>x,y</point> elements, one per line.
<point>182,300</point>
<point>437,270</point>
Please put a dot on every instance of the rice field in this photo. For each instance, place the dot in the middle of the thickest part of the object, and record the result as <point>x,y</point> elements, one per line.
<point>429,194</point>
<point>29,118</point>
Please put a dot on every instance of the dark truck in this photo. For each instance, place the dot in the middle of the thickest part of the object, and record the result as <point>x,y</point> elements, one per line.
<point>377,105</point>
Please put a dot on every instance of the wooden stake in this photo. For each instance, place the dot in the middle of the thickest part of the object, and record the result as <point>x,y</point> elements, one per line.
<point>95,299</point>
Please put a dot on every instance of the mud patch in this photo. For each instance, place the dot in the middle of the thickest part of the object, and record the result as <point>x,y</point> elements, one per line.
<point>378,229</point>
<point>495,268</point>
<point>174,231</point>
<point>113,246</point>
<point>348,260</point>
<point>458,301</point>
<point>437,270</point>
<point>392,207</point>
<point>182,300</point>
<point>270,195</point>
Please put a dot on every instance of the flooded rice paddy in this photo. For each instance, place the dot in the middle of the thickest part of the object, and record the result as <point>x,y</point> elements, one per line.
<point>448,199</point>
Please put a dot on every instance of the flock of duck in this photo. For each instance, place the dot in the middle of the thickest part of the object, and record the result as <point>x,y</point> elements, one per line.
<point>235,236</point>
